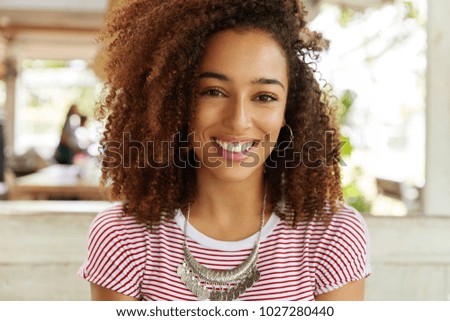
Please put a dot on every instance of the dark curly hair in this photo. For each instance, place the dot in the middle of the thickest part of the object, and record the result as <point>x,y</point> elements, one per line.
<point>154,49</point>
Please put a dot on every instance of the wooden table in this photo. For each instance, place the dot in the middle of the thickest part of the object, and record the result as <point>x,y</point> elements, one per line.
<point>59,182</point>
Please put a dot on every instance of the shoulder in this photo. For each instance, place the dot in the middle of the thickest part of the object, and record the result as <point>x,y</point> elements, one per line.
<point>345,222</point>
<point>341,249</point>
<point>112,224</point>
<point>346,232</point>
<point>114,216</point>
<point>117,252</point>
<point>348,221</point>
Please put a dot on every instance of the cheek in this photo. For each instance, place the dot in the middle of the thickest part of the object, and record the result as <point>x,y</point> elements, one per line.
<point>271,129</point>
<point>204,119</point>
<point>270,141</point>
<point>272,124</point>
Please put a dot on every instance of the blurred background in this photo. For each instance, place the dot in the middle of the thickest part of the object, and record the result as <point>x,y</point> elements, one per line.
<point>385,66</point>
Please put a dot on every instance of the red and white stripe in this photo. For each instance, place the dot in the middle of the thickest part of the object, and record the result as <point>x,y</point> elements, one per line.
<point>295,264</point>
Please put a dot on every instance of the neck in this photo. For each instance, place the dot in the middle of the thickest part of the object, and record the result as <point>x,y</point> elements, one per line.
<point>228,210</point>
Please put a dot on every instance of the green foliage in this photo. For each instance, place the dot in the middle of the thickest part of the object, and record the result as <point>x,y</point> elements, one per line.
<point>354,198</point>
<point>34,64</point>
<point>347,14</point>
<point>345,102</point>
<point>346,149</point>
<point>352,194</point>
<point>411,11</point>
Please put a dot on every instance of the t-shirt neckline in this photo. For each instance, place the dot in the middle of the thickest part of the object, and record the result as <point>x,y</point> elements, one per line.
<point>211,243</point>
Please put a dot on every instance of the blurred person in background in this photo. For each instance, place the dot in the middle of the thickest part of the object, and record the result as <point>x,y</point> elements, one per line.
<point>71,143</point>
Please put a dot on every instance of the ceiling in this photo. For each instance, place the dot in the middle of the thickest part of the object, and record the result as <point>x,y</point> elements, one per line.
<point>67,29</point>
<point>51,29</point>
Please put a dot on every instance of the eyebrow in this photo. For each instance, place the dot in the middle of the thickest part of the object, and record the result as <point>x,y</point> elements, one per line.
<point>263,81</point>
<point>214,75</point>
<point>267,81</point>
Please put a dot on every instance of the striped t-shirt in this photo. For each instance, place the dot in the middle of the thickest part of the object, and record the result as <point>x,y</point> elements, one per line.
<point>295,264</point>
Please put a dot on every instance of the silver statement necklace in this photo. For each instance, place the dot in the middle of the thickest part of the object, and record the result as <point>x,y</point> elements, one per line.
<point>219,285</point>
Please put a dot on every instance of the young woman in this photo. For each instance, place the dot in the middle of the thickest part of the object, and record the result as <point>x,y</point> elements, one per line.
<point>224,155</point>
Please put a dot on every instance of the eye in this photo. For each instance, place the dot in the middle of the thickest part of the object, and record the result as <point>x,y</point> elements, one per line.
<point>213,92</point>
<point>266,98</point>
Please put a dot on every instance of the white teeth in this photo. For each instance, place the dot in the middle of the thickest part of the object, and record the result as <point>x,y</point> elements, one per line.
<point>247,146</point>
<point>236,147</point>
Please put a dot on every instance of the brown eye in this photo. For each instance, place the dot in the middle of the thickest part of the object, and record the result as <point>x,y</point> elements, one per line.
<point>265,98</point>
<point>212,92</point>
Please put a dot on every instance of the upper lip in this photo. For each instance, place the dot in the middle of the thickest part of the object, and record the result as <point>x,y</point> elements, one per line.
<point>233,139</point>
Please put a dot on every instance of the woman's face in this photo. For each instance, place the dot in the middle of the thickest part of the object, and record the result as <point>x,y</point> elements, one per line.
<point>242,90</point>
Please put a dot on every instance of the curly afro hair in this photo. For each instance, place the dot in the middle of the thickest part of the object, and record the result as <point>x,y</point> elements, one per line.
<point>154,49</point>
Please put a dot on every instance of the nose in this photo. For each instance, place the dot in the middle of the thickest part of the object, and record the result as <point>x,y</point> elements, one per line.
<point>238,116</point>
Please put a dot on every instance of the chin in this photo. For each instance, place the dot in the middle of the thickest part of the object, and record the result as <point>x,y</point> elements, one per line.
<point>235,174</point>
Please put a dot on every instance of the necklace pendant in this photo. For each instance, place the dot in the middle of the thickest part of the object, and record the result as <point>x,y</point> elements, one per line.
<point>237,293</point>
<point>249,282</point>
<point>241,288</point>
<point>232,294</point>
<point>255,276</point>
<point>215,296</point>
<point>202,293</point>
<point>192,285</point>
<point>181,270</point>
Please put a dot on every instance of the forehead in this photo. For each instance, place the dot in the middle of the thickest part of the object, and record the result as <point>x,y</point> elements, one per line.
<point>245,54</point>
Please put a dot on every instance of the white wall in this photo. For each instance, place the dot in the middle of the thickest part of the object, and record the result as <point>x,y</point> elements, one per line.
<point>437,188</point>
<point>410,258</point>
<point>40,254</point>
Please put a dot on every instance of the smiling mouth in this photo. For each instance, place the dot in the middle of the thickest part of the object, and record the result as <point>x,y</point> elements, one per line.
<point>236,146</point>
